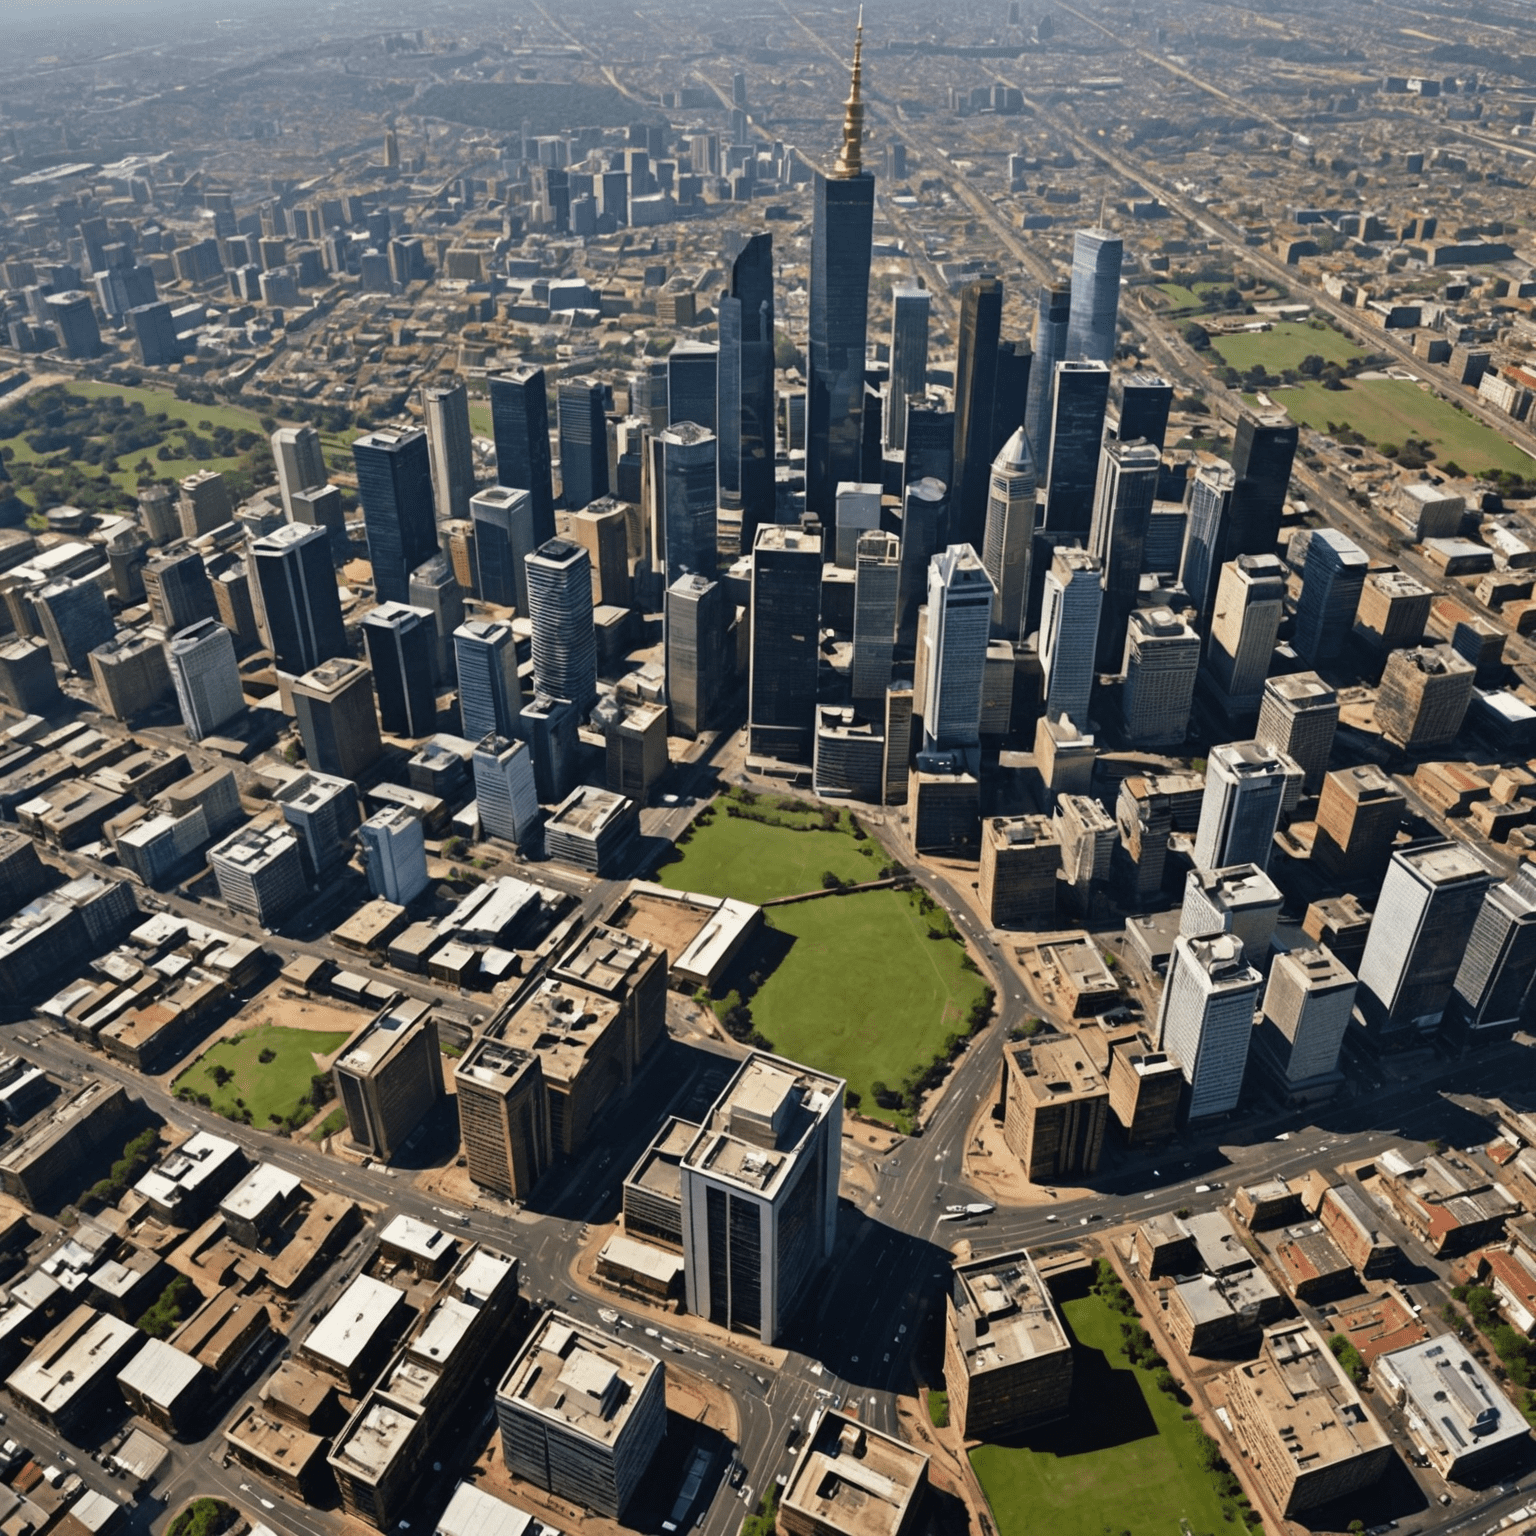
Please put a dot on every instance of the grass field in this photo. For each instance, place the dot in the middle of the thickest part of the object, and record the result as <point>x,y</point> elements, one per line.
<point>853,984</point>
<point>1392,410</point>
<point>1284,345</point>
<point>1125,1461</point>
<point>480,417</point>
<point>277,1087</point>
<point>1181,299</point>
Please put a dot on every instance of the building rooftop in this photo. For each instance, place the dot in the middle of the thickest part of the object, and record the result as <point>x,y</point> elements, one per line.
<point>199,1158</point>
<point>160,1373</point>
<point>473,1512</point>
<point>371,1048</point>
<point>606,959</point>
<point>71,1358</point>
<point>257,1191</point>
<point>351,1325</point>
<point>417,1238</point>
<point>563,1024</point>
<point>587,811</point>
<point>1057,1068</point>
<point>374,1435</point>
<point>1453,1398</point>
<point>1004,1314</point>
<point>853,1479</point>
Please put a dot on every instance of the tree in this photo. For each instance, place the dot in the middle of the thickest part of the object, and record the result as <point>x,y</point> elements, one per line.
<point>1311,365</point>
<point>1196,336</point>
<point>221,1075</point>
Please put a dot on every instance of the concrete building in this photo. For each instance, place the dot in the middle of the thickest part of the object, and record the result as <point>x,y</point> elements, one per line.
<point>324,814</point>
<point>1298,716</point>
<point>37,1163</point>
<point>1355,1224</point>
<point>581,1414</point>
<point>849,755</point>
<point>1240,899</point>
<point>260,871</point>
<point>1423,697</point>
<point>1008,542</point>
<point>131,674</point>
<point>204,503</point>
<point>1206,1019</point>
<point>164,1386</point>
<point>503,1117</point>
<point>560,608</point>
<point>184,1186</point>
<point>178,591</point>
<point>300,605</point>
<point>1087,835</point>
<point>402,644</point>
<point>1358,815</point>
<point>73,1371</point>
<point>1069,633</point>
<point>206,677</point>
<point>1330,592</point>
<point>698,669</point>
<point>502,521</point>
<point>637,752</point>
<point>505,790</point>
<point>353,1337</point>
<point>1393,611</point>
<point>1020,857</point>
<point>1250,603</point>
<point>300,462</point>
<point>759,1194</point>
<point>1245,786</point>
<point>786,609</point>
<point>1161,662</point>
<point>1145,1088</point>
<point>337,721</point>
<point>877,576</point>
<point>593,829</point>
<point>1492,991</point>
<point>1302,1425</point>
<point>1007,1359</point>
<point>1056,1108</point>
<point>389,1078</point>
<point>1307,1008</point>
<point>395,854</point>
<point>851,1480</point>
<point>254,1209</point>
<point>601,530</point>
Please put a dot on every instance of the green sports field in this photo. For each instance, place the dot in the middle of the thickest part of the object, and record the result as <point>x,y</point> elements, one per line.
<point>1284,345</point>
<point>277,1087</point>
<point>1125,1462</point>
<point>1389,411</point>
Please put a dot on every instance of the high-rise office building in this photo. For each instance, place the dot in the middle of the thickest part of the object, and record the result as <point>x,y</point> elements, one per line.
<point>178,591</point>
<point>909,357</point>
<point>1492,990</point>
<point>759,1195</point>
<point>959,625</point>
<point>1161,662</point>
<point>1241,899</point>
<point>1330,592</point>
<point>505,789</point>
<point>395,855</point>
<point>206,677</point>
<point>320,507</point>
<point>1051,320</point>
<point>841,247</point>
<point>1205,1021</point>
<point>1010,533</point>
<point>300,463</point>
<point>154,333</point>
<point>1245,787</point>
<point>1010,397</point>
<point>401,642</point>
<point>502,517</point>
<point>449,447</point>
<point>981,319</point>
<point>1245,622</point>
<point>877,584</point>
<point>583,442</point>
<point>922,520</point>
<point>323,813</point>
<point>602,530</point>
<point>204,503</point>
<point>1076,438</point>
<point>551,728</point>
<point>1210,512</point>
<point>1263,451</point>
<point>930,450</point>
<point>786,613</point>
<point>259,871</point>
<point>1358,815</point>
<point>490,693</point>
<point>1145,401</point>
<point>503,1117</point>
<point>435,588</point>
<point>520,426</point>
<point>1307,1006</point>
<point>394,484</point>
<point>75,321</point>
<point>560,608</point>
<point>685,455</point>
<point>1393,611</point>
<point>389,1078</point>
<point>131,674</point>
<point>693,383</point>
<point>1069,630</point>
<point>337,721</point>
<point>75,619</point>
<point>745,424</point>
<point>1298,715</point>
<point>300,601</point>
<point>1424,694</point>
<point>697,620</point>
<point>1420,935</point>
<point>1122,511</point>
<point>1096,259</point>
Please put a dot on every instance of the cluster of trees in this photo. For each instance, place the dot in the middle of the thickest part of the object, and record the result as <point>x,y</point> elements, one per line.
<point>178,1301</point>
<point>1517,1354</point>
<point>203,1517</point>
<point>138,1153</point>
<point>1349,1357</point>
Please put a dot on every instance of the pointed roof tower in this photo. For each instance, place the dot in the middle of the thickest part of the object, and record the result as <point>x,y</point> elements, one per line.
<point>850,162</point>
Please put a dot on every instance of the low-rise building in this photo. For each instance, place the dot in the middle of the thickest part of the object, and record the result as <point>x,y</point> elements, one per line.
<point>74,1368</point>
<point>653,1199</point>
<point>272,1448</point>
<point>851,1480</point>
<point>1269,1203</point>
<point>350,1341</point>
<point>1447,1202</point>
<point>254,1209</point>
<point>473,1512</point>
<point>1145,1088</point>
<point>1312,1266</point>
<point>165,1386</point>
<point>187,1183</point>
<point>48,1156</point>
<point>1348,1218</point>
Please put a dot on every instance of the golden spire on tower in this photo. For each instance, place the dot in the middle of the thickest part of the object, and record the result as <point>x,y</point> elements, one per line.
<point>850,162</point>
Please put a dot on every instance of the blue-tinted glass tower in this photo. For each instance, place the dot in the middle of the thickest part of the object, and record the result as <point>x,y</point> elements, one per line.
<point>1096,259</point>
<point>520,425</point>
<point>745,418</point>
<point>394,484</point>
<point>1077,433</point>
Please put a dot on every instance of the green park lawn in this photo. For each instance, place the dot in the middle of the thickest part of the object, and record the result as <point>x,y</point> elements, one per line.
<point>1389,411</point>
<point>1125,1461</point>
<point>1284,345</point>
<point>277,1087</point>
<point>480,417</point>
<point>1181,299</point>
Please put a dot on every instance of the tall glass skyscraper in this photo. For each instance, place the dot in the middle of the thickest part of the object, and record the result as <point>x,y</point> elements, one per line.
<point>520,425</point>
<point>394,484</point>
<point>1050,348</point>
<point>909,357</point>
<point>490,694</point>
<point>299,597</point>
<point>1210,508</point>
<point>686,455</point>
<point>583,443</point>
<point>981,320</point>
<point>1096,259</point>
<point>1077,432</point>
<point>841,244</point>
<point>1010,398</point>
<point>1263,451</point>
<point>693,372</point>
<point>1121,513</point>
<point>1145,401</point>
<point>449,447</point>
<point>959,624</point>
<point>745,414</point>
<point>560,607</point>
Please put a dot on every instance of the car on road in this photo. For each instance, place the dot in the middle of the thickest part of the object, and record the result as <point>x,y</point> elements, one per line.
<point>1053,1217</point>
<point>738,1474</point>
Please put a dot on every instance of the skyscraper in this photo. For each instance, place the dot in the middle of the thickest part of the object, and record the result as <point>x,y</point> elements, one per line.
<point>504,538</point>
<point>300,463</point>
<point>959,626</point>
<point>745,414</point>
<point>1205,1020</point>
<point>1010,396</point>
<point>981,319</point>
<point>1077,433</point>
<point>909,357</point>
<point>178,591</point>
<point>1493,981</point>
<point>1244,791</point>
<point>1118,536</point>
<point>1096,260</point>
<point>1145,401</point>
<point>922,520</point>
<point>560,608</point>
<point>786,612</point>
<point>75,619</point>
<point>686,453</point>
<point>930,450</point>
<point>299,597</point>
<point>520,425</point>
<point>394,484</point>
<point>697,668</point>
<point>504,1115</point>
<point>1010,533</point>
<point>446,407</point>
<point>1306,1014</point>
<point>435,588</point>
<point>583,443</point>
<point>337,719</point>
<point>1250,603</point>
<point>206,677</point>
<point>1263,451</point>
<point>490,693</point>
<point>1161,657</point>
<point>693,383</point>
<point>400,641</point>
<point>1210,510</point>
<point>1069,631</point>
<point>877,579</point>
<point>505,789</point>
<point>1331,583</point>
<point>841,246</point>
<point>1298,715</point>
<point>395,854</point>
<point>1420,937</point>
<point>1051,320</point>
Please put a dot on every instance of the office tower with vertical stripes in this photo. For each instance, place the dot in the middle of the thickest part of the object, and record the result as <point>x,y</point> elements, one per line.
<point>1250,603</point>
<point>502,517</point>
<point>400,641</point>
<point>981,319</point>
<point>300,463</point>
<point>685,455</point>
<point>178,591</point>
<point>1118,536</point>
<point>560,610</point>
<point>1307,1007</point>
<point>1205,1021</point>
<point>922,522</point>
<point>1210,511</point>
<point>206,677</point>
<point>435,588</point>
<point>1146,399</point>
<point>299,598</point>
<point>395,854</point>
<point>449,448</point>
<point>693,382</point>
<point>1096,261</point>
<point>1492,991</point>
<point>959,627</point>
<point>1245,786</point>
<point>1298,715</point>
<point>583,443</point>
<point>1051,318</point>
<point>505,789</point>
<point>394,484</point>
<point>1069,633</point>
<point>1263,451</point>
<point>697,667</point>
<point>1077,435</point>
<point>745,412</point>
<point>910,308</point>
<point>1010,533</point>
<point>520,426</point>
<point>785,657</point>
<point>1331,583</point>
<point>877,582</point>
<point>490,692</point>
